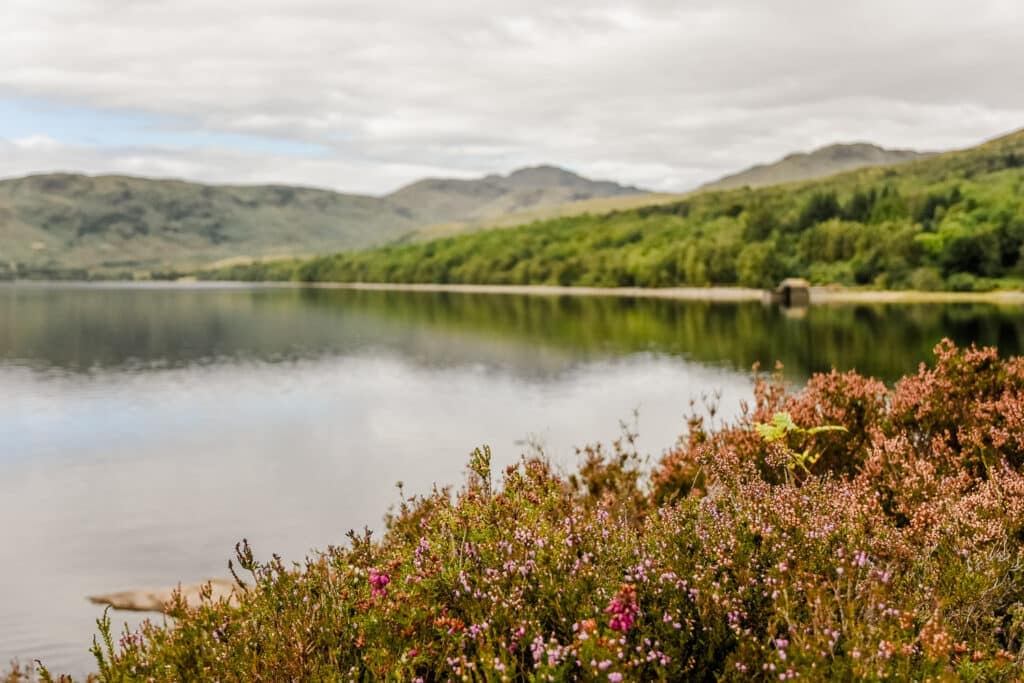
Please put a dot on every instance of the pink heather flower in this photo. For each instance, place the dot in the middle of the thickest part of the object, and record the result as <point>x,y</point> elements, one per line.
<point>615,677</point>
<point>378,583</point>
<point>623,609</point>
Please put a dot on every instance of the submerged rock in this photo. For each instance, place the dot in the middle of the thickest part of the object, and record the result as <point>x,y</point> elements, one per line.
<point>157,600</point>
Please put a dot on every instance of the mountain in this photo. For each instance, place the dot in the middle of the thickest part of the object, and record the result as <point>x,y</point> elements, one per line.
<point>440,200</point>
<point>820,163</point>
<point>54,223</point>
<point>115,223</point>
<point>950,221</point>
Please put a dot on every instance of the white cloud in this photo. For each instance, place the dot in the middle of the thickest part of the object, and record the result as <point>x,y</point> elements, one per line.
<point>662,93</point>
<point>40,142</point>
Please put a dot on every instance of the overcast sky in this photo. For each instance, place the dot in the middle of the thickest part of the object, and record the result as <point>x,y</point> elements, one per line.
<point>366,96</point>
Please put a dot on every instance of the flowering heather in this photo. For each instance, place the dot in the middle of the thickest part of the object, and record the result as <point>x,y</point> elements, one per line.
<point>378,583</point>
<point>894,551</point>
<point>623,609</point>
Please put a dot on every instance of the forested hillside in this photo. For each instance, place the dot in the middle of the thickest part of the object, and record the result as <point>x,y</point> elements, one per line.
<point>952,221</point>
<point>68,225</point>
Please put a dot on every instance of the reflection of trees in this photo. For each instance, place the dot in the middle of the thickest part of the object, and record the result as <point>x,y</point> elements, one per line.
<point>882,340</point>
<point>83,327</point>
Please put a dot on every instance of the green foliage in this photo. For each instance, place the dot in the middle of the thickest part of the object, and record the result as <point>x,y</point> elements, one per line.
<point>925,279</point>
<point>782,428</point>
<point>758,265</point>
<point>954,213</point>
<point>759,224</point>
<point>859,206</point>
<point>820,207</point>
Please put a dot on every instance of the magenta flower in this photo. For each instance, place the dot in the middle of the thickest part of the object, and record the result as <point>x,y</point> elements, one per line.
<point>623,609</point>
<point>378,583</point>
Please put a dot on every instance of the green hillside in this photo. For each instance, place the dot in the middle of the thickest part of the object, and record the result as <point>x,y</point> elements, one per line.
<point>951,221</point>
<point>63,222</point>
<point>67,225</point>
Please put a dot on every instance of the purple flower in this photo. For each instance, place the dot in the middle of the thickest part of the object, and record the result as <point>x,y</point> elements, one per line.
<point>378,583</point>
<point>623,609</point>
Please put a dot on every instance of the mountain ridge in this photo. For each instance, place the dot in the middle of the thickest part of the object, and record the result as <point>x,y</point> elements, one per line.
<point>818,163</point>
<point>452,199</point>
<point>51,222</point>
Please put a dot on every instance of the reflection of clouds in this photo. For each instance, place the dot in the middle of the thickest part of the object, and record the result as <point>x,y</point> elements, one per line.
<point>136,328</point>
<point>128,480</point>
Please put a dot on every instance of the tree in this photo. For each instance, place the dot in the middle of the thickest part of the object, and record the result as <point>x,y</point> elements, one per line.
<point>860,205</point>
<point>695,272</point>
<point>820,207</point>
<point>759,223</point>
<point>889,206</point>
<point>977,253</point>
<point>758,265</point>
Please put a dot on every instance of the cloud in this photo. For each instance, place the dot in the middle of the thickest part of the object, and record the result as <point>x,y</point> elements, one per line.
<point>36,142</point>
<point>660,93</point>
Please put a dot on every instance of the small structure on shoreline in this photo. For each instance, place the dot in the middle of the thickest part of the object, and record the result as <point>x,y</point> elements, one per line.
<point>793,292</point>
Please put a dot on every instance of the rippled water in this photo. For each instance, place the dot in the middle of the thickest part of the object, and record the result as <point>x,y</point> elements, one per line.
<point>145,430</point>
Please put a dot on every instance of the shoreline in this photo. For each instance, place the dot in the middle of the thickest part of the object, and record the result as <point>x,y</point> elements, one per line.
<point>819,295</point>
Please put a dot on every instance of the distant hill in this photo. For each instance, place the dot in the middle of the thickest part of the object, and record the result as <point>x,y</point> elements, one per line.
<point>440,200</point>
<point>116,224</point>
<point>820,163</point>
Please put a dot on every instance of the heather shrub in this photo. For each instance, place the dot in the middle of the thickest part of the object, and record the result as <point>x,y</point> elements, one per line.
<point>959,418</point>
<point>893,549</point>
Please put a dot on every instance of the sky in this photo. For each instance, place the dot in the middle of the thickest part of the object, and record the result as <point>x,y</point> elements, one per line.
<point>367,96</point>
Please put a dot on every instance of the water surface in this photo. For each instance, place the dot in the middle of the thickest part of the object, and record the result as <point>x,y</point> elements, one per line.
<point>145,430</point>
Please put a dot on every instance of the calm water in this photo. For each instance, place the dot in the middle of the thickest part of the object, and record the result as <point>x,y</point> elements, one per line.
<point>144,430</point>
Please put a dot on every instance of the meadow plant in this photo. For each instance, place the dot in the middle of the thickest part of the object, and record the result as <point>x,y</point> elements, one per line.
<point>893,550</point>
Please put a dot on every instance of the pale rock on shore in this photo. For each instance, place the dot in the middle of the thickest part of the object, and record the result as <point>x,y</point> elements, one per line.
<point>158,599</point>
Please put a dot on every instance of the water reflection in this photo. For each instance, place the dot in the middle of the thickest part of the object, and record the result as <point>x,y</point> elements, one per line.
<point>89,328</point>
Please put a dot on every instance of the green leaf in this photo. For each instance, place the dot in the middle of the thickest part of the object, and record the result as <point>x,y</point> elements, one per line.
<point>781,425</point>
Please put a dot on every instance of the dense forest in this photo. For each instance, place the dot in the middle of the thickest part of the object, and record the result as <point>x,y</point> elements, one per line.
<point>953,221</point>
